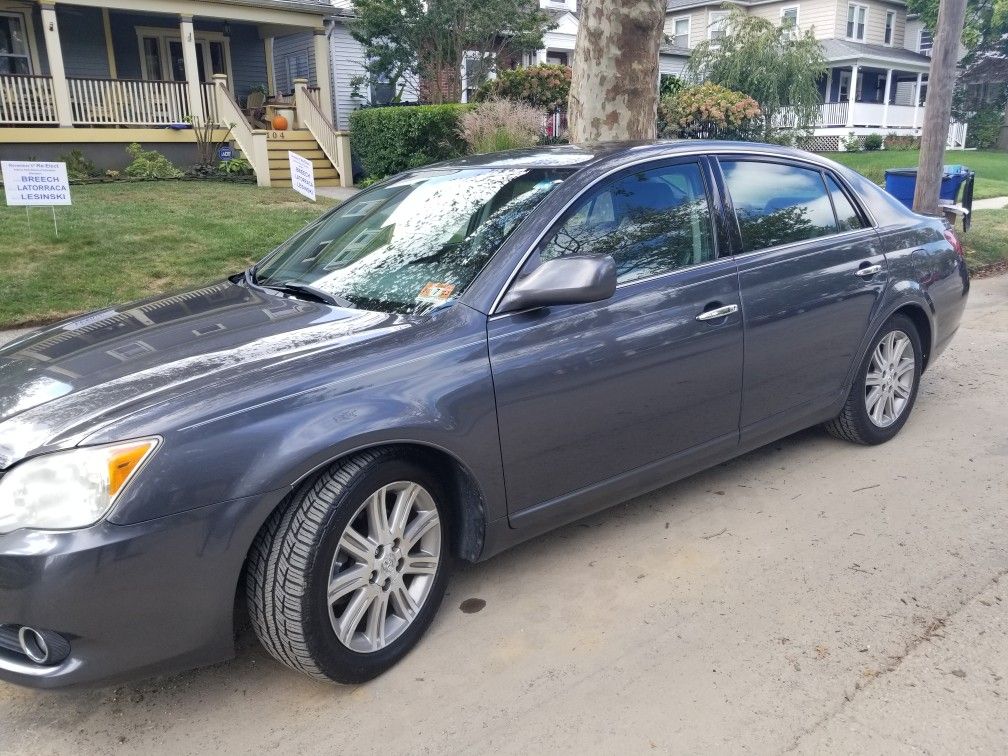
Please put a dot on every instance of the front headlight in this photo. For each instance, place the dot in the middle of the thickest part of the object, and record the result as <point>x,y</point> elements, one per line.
<point>71,489</point>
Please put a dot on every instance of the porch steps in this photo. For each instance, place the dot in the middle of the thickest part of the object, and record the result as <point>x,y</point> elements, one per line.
<point>303,143</point>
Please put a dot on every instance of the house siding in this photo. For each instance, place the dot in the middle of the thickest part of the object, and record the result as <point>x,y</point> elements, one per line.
<point>875,25</point>
<point>82,37</point>
<point>817,15</point>
<point>671,65</point>
<point>298,49</point>
<point>348,59</point>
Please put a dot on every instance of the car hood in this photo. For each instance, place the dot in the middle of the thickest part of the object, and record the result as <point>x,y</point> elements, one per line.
<point>60,384</point>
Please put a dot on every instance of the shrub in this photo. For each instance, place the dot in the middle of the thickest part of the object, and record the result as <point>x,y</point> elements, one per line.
<point>79,167</point>
<point>984,128</point>
<point>238,166</point>
<point>901,142</point>
<point>709,110</point>
<point>501,125</point>
<point>852,143</point>
<point>872,142</point>
<point>544,87</point>
<point>150,164</point>
<point>390,140</point>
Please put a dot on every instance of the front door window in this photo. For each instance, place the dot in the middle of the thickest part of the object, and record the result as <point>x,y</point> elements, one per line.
<point>162,56</point>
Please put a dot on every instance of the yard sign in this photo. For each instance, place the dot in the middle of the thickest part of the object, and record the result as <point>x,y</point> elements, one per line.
<point>33,183</point>
<point>302,175</point>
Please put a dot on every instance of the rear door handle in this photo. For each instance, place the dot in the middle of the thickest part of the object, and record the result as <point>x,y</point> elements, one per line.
<point>718,312</point>
<point>868,270</point>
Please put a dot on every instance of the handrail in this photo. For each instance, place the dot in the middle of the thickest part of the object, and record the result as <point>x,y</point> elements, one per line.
<point>251,141</point>
<point>335,144</point>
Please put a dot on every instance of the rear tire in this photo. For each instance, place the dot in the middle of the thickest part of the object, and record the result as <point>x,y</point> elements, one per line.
<point>336,589</point>
<point>884,388</point>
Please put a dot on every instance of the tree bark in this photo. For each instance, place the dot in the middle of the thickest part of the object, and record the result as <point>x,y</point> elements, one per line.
<point>938,110</point>
<point>614,89</point>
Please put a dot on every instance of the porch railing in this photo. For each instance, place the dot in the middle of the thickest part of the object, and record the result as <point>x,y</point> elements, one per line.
<point>251,141</point>
<point>830,114</point>
<point>27,100</point>
<point>209,94</point>
<point>127,102</point>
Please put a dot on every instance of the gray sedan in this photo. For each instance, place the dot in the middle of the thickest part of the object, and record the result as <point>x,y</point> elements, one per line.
<point>456,360</point>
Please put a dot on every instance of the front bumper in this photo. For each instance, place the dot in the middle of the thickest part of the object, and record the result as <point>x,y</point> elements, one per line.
<point>132,600</point>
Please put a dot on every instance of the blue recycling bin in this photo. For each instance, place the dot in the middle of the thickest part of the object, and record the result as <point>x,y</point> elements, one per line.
<point>902,182</point>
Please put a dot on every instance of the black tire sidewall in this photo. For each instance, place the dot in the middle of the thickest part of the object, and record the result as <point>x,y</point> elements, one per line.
<point>870,432</point>
<point>334,659</point>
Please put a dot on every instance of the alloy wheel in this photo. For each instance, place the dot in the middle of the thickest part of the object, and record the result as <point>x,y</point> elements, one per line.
<point>890,380</point>
<point>384,566</point>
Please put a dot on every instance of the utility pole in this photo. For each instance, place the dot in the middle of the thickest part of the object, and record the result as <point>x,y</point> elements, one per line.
<point>938,111</point>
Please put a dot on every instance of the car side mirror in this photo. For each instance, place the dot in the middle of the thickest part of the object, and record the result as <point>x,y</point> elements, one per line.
<point>576,279</point>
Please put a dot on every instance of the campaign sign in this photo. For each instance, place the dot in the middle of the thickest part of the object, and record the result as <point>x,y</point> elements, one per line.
<point>225,152</point>
<point>34,183</point>
<point>302,175</point>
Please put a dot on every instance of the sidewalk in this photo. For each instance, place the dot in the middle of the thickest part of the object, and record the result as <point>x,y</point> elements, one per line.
<point>994,203</point>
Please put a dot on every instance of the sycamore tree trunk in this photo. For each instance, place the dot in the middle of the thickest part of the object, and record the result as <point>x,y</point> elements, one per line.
<point>614,91</point>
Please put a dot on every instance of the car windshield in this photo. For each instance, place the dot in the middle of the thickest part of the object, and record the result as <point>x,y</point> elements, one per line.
<point>413,244</point>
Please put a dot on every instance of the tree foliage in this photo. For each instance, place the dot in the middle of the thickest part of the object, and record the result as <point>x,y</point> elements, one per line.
<point>407,41</point>
<point>986,20</point>
<point>545,87</point>
<point>774,65</point>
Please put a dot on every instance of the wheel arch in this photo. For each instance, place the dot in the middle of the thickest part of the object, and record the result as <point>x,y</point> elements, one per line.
<point>922,323</point>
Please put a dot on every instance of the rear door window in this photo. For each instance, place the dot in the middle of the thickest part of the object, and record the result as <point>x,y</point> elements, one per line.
<point>847,217</point>
<point>777,203</point>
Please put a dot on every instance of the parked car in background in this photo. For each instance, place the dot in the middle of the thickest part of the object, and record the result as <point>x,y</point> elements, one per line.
<point>456,360</point>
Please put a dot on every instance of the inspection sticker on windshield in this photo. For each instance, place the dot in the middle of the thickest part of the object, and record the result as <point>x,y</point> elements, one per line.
<point>435,293</point>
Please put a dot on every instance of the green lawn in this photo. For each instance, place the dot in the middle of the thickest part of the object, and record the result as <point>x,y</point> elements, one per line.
<point>991,166</point>
<point>124,241</point>
<point>987,241</point>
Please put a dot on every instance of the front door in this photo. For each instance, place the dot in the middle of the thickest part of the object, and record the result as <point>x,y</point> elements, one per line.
<point>811,273</point>
<point>589,392</point>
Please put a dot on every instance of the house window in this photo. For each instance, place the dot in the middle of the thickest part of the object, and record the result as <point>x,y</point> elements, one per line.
<point>162,58</point>
<point>857,17</point>
<point>717,27</point>
<point>925,43</point>
<point>789,17</point>
<point>890,23</point>
<point>680,31</point>
<point>15,56</point>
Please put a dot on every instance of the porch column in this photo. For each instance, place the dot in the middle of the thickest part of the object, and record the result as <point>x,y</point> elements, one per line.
<point>852,96</point>
<point>917,92</point>
<point>270,66</point>
<point>885,106</point>
<point>61,90</point>
<point>191,68</point>
<point>829,84</point>
<point>323,74</point>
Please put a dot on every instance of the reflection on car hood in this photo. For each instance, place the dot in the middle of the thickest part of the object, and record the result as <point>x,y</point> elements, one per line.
<point>61,382</point>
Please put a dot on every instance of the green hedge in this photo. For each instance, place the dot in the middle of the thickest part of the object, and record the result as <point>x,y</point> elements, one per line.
<point>389,140</point>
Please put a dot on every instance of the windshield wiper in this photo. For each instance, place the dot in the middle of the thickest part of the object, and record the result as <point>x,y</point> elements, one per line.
<point>308,291</point>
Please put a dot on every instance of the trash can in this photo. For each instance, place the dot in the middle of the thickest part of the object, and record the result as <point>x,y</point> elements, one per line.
<point>902,182</point>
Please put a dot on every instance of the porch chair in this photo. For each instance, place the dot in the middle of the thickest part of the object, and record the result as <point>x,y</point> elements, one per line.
<point>255,109</point>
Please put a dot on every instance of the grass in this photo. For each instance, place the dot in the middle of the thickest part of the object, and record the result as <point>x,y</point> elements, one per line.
<point>991,166</point>
<point>125,241</point>
<point>986,242</point>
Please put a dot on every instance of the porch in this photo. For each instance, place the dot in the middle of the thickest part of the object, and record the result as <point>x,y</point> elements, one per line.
<point>85,68</point>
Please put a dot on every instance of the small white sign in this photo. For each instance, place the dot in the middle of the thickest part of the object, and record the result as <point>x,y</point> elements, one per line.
<point>302,175</point>
<point>34,183</point>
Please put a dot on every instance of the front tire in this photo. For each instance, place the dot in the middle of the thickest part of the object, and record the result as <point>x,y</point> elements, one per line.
<point>343,582</point>
<point>885,387</point>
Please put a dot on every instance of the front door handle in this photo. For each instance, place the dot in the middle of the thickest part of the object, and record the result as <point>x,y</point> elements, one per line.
<point>718,312</point>
<point>868,270</point>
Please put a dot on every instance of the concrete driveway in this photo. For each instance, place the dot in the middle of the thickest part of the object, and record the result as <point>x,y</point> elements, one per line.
<point>812,596</point>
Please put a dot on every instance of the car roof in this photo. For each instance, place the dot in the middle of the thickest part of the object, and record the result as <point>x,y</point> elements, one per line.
<point>613,153</point>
